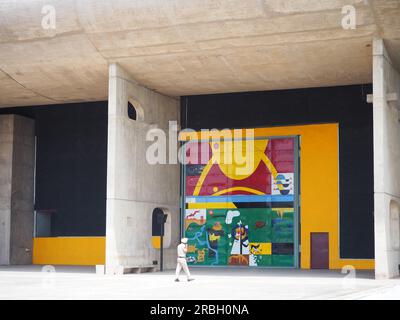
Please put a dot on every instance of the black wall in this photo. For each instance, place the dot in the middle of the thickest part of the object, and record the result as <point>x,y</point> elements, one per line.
<point>71,165</point>
<point>345,105</point>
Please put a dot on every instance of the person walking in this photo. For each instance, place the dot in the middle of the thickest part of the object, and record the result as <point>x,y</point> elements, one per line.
<point>181,260</point>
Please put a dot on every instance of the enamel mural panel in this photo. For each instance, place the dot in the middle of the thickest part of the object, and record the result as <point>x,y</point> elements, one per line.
<point>236,215</point>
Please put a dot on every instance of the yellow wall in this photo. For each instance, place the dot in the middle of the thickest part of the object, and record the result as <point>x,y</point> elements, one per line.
<point>319,179</point>
<point>83,251</point>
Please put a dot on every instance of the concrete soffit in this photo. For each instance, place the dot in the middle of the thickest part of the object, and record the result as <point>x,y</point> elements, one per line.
<point>187,47</point>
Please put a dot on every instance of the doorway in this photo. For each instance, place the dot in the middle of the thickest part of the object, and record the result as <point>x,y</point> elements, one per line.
<point>319,250</point>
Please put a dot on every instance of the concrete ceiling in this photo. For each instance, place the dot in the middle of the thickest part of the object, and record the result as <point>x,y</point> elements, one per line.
<point>181,47</point>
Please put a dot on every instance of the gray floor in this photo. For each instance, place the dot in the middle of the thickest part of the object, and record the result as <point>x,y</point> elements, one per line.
<point>30,282</point>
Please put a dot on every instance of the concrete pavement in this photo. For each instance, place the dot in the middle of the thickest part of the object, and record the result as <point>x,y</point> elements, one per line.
<point>29,282</point>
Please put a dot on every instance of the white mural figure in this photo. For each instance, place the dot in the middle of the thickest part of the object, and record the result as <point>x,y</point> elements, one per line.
<point>240,239</point>
<point>230,215</point>
<point>253,260</point>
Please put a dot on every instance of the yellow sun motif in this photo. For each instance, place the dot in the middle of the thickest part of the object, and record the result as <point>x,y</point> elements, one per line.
<point>237,160</point>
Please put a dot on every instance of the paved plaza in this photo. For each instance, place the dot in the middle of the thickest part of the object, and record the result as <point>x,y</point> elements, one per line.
<point>218,283</point>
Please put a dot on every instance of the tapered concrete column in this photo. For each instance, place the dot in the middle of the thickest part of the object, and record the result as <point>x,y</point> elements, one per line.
<point>17,154</point>
<point>386,93</point>
<point>135,187</point>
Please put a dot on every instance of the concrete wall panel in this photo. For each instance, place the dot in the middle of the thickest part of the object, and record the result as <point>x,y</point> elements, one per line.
<point>17,157</point>
<point>134,187</point>
<point>386,82</point>
<point>6,150</point>
<point>22,191</point>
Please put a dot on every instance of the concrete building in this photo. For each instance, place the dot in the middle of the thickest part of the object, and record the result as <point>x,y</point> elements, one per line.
<point>83,82</point>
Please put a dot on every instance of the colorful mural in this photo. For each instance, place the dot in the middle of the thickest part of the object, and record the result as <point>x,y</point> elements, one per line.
<point>236,214</point>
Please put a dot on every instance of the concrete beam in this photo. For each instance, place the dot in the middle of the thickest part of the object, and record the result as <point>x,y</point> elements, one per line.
<point>390,97</point>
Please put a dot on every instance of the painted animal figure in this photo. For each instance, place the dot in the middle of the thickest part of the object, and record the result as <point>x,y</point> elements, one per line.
<point>192,214</point>
<point>200,255</point>
<point>191,248</point>
<point>259,224</point>
<point>254,248</point>
<point>239,260</point>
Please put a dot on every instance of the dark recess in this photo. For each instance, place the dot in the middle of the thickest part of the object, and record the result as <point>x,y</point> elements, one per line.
<point>131,112</point>
<point>71,165</point>
<point>345,105</point>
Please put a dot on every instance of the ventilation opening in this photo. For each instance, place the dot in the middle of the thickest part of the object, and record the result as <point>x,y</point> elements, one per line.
<point>132,114</point>
<point>135,111</point>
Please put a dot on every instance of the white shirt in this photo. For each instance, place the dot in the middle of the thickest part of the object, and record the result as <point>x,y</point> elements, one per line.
<point>181,250</point>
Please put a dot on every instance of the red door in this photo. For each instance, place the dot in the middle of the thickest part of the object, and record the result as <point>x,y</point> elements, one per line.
<point>320,250</point>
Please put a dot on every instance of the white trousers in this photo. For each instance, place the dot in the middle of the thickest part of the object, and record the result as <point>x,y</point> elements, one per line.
<point>182,264</point>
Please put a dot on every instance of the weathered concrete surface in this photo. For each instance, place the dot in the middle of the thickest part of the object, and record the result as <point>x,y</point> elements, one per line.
<point>386,163</point>
<point>6,151</point>
<point>17,156</point>
<point>182,47</point>
<point>209,284</point>
<point>134,187</point>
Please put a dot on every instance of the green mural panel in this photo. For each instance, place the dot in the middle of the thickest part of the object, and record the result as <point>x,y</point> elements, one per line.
<point>260,224</point>
<point>282,260</point>
<point>261,260</point>
<point>250,236</point>
<point>282,228</point>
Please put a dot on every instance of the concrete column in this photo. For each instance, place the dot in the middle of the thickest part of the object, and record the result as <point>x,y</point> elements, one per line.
<point>386,93</point>
<point>17,156</point>
<point>134,187</point>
